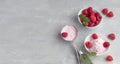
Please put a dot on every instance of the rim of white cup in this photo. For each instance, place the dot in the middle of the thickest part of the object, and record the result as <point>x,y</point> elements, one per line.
<point>80,11</point>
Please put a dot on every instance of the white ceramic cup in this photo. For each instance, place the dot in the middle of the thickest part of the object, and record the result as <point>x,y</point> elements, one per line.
<point>89,37</point>
<point>87,26</point>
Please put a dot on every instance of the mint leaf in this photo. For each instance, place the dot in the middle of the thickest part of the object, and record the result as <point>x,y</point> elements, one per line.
<point>81,16</point>
<point>84,23</point>
<point>92,53</point>
<point>86,19</point>
<point>86,58</point>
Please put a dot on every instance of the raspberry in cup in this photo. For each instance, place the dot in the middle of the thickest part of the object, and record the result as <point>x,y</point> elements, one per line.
<point>90,17</point>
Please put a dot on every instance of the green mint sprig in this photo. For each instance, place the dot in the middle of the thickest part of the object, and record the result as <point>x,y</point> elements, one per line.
<point>92,53</point>
<point>84,19</point>
<point>86,58</point>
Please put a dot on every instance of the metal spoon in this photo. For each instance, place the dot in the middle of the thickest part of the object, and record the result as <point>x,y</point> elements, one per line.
<point>84,56</point>
<point>77,54</point>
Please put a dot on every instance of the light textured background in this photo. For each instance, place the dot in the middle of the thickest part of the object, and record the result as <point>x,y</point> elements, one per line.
<point>29,30</point>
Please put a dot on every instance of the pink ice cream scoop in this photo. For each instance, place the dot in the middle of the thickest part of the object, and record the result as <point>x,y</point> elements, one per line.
<point>96,45</point>
<point>69,32</point>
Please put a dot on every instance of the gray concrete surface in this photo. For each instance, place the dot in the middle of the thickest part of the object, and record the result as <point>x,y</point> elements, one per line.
<point>29,30</point>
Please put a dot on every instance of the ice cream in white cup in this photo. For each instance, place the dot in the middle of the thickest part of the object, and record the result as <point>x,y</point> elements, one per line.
<point>97,45</point>
<point>69,32</point>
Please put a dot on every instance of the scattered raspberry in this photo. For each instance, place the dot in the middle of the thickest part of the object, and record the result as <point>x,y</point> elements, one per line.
<point>85,12</point>
<point>105,11</point>
<point>88,44</point>
<point>106,44</point>
<point>64,34</point>
<point>94,36</point>
<point>111,36</point>
<point>110,14</point>
<point>109,58</point>
<point>90,9</point>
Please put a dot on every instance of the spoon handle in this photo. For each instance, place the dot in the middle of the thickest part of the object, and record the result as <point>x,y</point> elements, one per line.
<point>78,55</point>
<point>82,55</point>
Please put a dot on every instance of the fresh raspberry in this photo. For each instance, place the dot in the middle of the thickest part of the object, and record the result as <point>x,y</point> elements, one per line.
<point>98,16</point>
<point>90,24</point>
<point>90,9</point>
<point>88,15</point>
<point>105,11</point>
<point>111,36</point>
<point>109,58</point>
<point>96,23</point>
<point>94,36</point>
<point>88,44</point>
<point>85,12</point>
<point>64,34</point>
<point>106,44</point>
<point>93,18</point>
<point>110,14</point>
<point>92,14</point>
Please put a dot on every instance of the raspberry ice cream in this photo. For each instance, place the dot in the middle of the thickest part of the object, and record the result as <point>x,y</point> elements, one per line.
<point>69,33</point>
<point>98,45</point>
